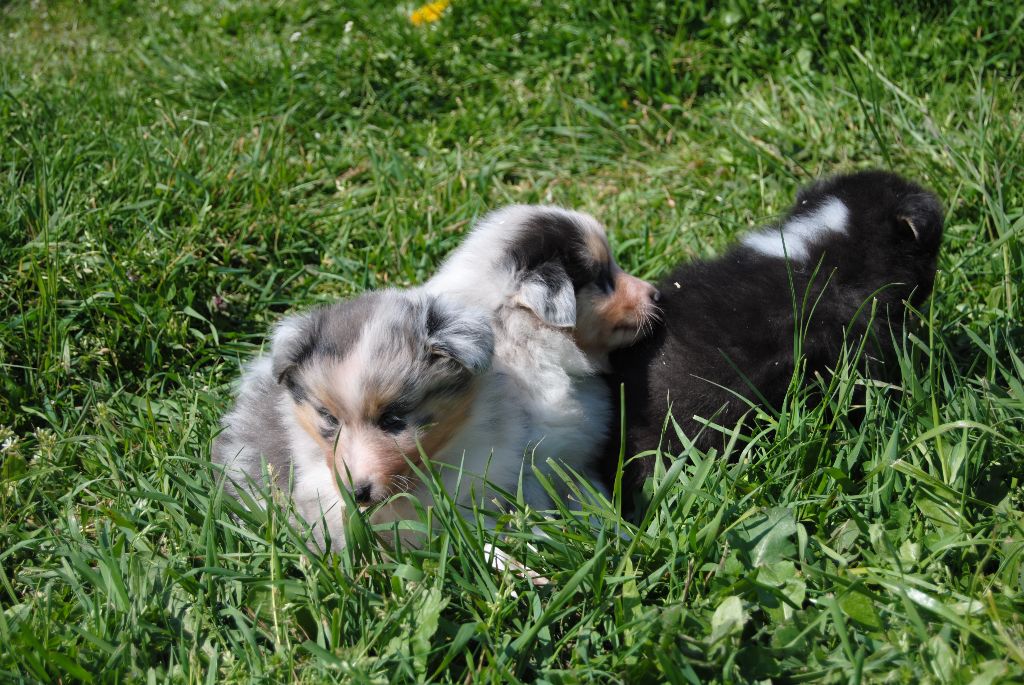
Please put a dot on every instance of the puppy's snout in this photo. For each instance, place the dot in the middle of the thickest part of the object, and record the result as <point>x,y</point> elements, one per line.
<point>644,292</point>
<point>362,491</point>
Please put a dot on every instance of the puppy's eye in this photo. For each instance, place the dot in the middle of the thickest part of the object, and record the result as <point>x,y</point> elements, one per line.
<point>390,422</point>
<point>604,281</point>
<point>327,416</point>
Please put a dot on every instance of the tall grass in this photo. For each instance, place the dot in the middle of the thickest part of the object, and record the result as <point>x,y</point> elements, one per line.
<point>176,175</point>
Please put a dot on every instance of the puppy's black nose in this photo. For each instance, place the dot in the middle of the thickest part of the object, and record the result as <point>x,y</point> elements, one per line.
<point>361,492</point>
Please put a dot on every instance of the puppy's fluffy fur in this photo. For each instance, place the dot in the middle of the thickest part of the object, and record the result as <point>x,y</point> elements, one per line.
<point>493,363</point>
<point>559,305</point>
<point>349,392</point>
<point>846,241</point>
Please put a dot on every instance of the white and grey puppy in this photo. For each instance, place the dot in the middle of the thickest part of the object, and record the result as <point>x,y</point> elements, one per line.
<point>348,394</point>
<point>493,363</point>
<point>559,304</point>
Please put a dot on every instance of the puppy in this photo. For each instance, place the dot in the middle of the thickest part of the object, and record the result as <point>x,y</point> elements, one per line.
<point>493,364</point>
<point>849,242</point>
<point>348,395</point>
<point>559,304</point>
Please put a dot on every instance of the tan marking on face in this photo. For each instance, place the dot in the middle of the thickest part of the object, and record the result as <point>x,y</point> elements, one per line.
<point>373,456</point>
<point>451,414</point>
<point>597,243</point>
<point>308,419</point>
<point>337,384</point>
<point>606,322</point>
<point>630,298</point>
<point>332,384</point>
<point>364,453</point>
<point>343,388</point>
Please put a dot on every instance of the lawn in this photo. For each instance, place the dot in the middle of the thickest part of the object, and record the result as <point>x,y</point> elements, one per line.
<point>174,176</point>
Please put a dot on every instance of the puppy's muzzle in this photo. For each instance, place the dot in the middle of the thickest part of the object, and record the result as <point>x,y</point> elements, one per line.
<point>640,297</point>
<point>362,492</point>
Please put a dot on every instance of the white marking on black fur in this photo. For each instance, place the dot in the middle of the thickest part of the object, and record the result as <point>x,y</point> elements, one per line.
<point>800,232</point>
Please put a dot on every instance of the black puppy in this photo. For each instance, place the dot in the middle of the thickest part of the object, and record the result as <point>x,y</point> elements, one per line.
<point>730,324</point>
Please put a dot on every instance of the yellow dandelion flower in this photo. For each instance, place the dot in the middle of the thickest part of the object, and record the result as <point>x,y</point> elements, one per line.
<point>429,13</point>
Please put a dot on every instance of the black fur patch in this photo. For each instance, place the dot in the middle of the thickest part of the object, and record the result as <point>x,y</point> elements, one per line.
<point>290,381</point>
<point>551,275</point>
<point>552,237</point>
<point>436,319</point>
<point>729,323</point>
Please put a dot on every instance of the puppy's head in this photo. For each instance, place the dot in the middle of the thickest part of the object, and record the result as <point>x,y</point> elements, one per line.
<point>368,378</point>
<point>561,269</point>
<point>882,225</point>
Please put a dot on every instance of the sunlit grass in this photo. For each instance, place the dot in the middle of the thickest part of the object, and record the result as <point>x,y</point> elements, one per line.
<point>174,176</point>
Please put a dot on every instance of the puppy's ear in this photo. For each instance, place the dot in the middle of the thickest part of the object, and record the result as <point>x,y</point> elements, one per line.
<point>919,218</point>
<point>460,334</point>
<point>547,291</point>
<point>289,343</point>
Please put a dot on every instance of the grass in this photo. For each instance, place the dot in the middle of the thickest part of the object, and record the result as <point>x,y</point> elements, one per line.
<point>176,175</point>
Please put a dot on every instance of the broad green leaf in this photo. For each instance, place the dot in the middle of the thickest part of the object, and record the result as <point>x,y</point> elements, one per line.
<point>845,535</point>
<point>860,608</point>
<point>728,619</point>
<point>990,672</point>
<point>425,625</point>
<point>766,538</point>
<point>941,658</point>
